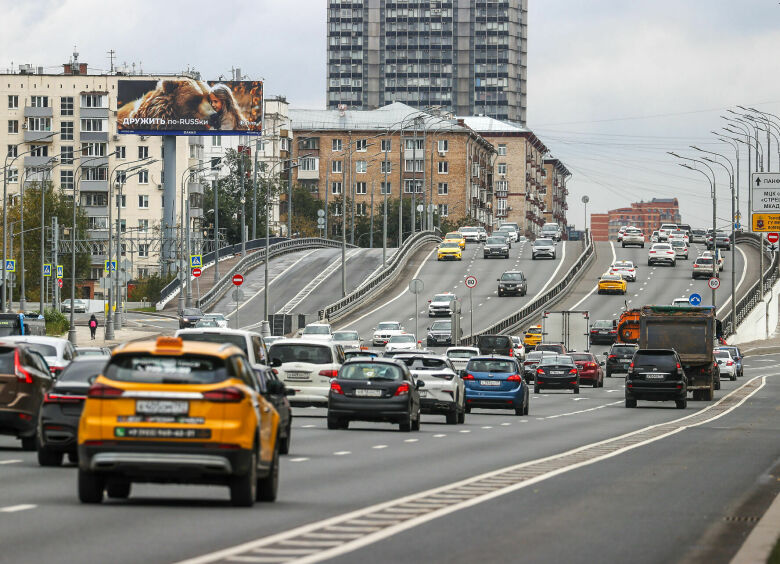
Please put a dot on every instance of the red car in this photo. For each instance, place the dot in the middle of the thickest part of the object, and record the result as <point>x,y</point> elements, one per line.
<point>590,369</point>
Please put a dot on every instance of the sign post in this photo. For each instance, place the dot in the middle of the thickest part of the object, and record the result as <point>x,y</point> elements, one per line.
<point>471,282</point>
<point>415,287</point>
<point>196,272</point>
<point>238,295</point>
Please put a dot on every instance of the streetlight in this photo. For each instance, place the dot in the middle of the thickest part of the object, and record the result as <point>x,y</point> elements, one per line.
<point>585,200</point>
<point>53,161</point>
<point>185,231</point>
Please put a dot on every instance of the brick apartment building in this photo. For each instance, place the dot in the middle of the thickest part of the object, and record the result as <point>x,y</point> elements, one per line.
<point>647,216</point>
<point>554,177</point>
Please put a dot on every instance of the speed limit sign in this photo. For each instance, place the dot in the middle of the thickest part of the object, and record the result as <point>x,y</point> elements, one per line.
<point>471,281</point>
<point>713,283</point>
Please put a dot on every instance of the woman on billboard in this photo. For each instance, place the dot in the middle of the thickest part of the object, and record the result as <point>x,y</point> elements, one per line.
<point>228,115</point>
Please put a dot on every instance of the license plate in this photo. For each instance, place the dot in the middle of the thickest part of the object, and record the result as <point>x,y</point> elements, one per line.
<point>298,375</point>
<point>489,383</point>
<point>654,376</point>
<point>368,393</point>
<point>602,332</point>
<point>162,407</point>
<point>423,393</point>
<point>556,372</point>
<point>158,433</point>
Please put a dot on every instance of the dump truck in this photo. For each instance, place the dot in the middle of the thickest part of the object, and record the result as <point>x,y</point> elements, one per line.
<point>628,326</point>
<point>691,331</point>
<point>569,328</point>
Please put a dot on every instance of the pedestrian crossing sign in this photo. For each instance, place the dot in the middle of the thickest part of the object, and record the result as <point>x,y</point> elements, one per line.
<point>10,265</point>
<point>60,271</point>
<point>113,266</point>
<point>196,261</point>
<point>47,270</point>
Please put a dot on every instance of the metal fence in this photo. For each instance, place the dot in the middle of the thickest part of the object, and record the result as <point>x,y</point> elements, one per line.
<point>384,277</point>
<point>525,315</point>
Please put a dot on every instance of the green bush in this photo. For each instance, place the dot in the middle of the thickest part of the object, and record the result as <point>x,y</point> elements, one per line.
<point>56,322</point>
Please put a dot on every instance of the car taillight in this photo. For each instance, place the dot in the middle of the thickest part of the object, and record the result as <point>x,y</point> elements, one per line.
<point>335,387</point>
<point>329,373</point>
<point>511,352</point>
<point>21,374</point>
<point>403,389</point>
<point>540,371</point>
<point>515,378</point>
<point>592,365</point>
<point>468,377</point>
<point>231,394</point>
<point>59,398</point>
<point>612,356</point>
<point>573,371</point>
<point>631,366</point>
<point>613,331</point>
<point>104,391</point>
<point>593,331</point>
<point>730,363</point>
<point>678,366</point>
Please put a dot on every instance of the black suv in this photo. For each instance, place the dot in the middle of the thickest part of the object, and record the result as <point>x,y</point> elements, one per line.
<point>512,282</point>
<point>656,375</point>
<point>619,357</point>
<point>496,247</point>
<point>189,316</point>
<point>440,333</point>
<point>495,344</point>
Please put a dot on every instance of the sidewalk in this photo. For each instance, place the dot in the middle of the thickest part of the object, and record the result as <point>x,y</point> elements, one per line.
<point>123,335</point>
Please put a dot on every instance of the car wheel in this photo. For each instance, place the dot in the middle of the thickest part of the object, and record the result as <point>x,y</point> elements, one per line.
<point>576,389</point>
<point>243,489</point>
<point>333,423</point>
<point>118,489</point>
<point>623,245</point>
<point>29,443</point>
<point>462,415</point>
<point>452,416</point>
<point>406,425</point>
<point>609,374</point>
<point>416,423</point>
<point>90,487</point>
<point>681,404</point>
<point>467,409</point>
<point>527,405</point>
<point>268,486</point>
<point>733,377</point>
<point>47,457</point>
<point>536,389</point>
<point>630,403</point>
<point>596,383</point>
<point>73,458</point>
<point>519,411</point>
<point>284,444</point>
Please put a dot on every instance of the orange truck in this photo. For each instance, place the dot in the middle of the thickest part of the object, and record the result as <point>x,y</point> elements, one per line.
<point>628,326</point>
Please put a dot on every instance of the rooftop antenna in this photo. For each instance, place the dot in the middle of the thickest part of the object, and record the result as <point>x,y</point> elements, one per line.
<point>111,54</point>
<point>75,56</point>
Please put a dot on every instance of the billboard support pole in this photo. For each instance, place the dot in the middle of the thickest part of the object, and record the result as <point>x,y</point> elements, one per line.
<point>254,193</point>
<point>169,203</point>
<point>242,150</point>
<point>289,200</point>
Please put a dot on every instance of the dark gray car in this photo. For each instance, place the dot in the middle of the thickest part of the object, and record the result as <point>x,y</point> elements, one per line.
<point>496,247</point>
<point>512,282</point>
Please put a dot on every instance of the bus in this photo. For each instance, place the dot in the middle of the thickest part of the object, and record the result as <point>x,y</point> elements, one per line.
<point>19,324</point>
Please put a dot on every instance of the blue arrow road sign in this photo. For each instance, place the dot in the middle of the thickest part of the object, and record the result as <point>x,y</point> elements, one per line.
<point>196,261</point>
<point>694,300</point>
<point>737,225</point>
<point>47,270</point>
<point>10,265</point>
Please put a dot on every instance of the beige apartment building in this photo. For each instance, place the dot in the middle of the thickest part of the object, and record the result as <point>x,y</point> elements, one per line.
<point>399,151</point>
<point>519,192</point>
<point>554,175</point>
<point>63,127</point>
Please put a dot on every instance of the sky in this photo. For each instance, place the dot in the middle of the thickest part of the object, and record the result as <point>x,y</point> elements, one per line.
<point>612,84</point>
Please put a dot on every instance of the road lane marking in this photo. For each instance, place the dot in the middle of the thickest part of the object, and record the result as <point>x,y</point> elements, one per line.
<point>299,459</point>
<point>308,426</point>
<point>15,508</point>
<point>505,424</point>
<point>342,452</point>
<point>440,435</point>
<point>552,276</point>
<point>741,280</point>
<point>586,296</point>
<point>487,427</point>
<point>465,431</point>
<point>14,461</point>
<point>411,440</point>
<point>582,410</point>
<point>379,447</point>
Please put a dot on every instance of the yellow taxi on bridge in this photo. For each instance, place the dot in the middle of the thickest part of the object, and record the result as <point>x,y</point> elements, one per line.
<point>456,237</point>
<point>532,337</point>
<point>610,283</point>
<point>449,250</point>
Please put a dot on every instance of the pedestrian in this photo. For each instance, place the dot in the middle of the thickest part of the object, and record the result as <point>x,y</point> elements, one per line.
<point>93,325</point>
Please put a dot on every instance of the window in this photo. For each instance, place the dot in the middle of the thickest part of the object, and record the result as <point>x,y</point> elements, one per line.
<point>501,203</point>
<point>360,188</point>
<point>13,175</point>
<point>66,105</point>
<point>13,126</point>
<point>13,151</point>
<point>94,173</point>
<point>216,141</point>
<point>13,102</point>
<point>361,167</point>
<point>121,176</point>
<point>308,163</point>
<point>93,101</point>
<point>143,250</point>
<point>444,145</point>
<point>66,154</point>
<point>309,143</point>
<point>143,225</point>
<point>336,210</point>
<point>93,199</point>
<point>444,167</point>
<point>475,169</point>
<point>410,144</point>
<point>336,188</point>
<point>360,208</point>
<point>97,222</point>
<point>121,152</point>
<point>94,125</point>
<point>387,145</point>
<point>361,145</point>
<point>386,167</point>
<point>143,177</point>
<point>123,228</point>
<point>444,189</point>
<point>502,186</point>
<point>66,179</point>
<point>39,150</point>
<point>501,169</point>
<point>143,272</point>
<point>411,186</point>
<point>143,152</point>
<point>93,149</point>
<point>121,201</point>
<point>336,145</point>
<point>38,124</point>
<point>39,101</point>
<point>385,188</point>
<point>143,201</point>
<point>444,209</point>
<point>66,131</point>
<point>501,150</point>
<point>95,273</point>
<point>335,167</point>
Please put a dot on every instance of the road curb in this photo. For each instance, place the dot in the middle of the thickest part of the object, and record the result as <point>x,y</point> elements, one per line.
<point>761,540</point>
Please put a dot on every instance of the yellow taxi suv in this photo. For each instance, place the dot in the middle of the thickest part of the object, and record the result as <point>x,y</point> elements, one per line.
<point>173,411</point>
<point>612,284</point>
<point>457,238</point>
<point>532,337</point>
<point>449,250</point>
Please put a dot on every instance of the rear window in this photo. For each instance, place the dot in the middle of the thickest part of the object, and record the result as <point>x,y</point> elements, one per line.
<point>313,354</point>
<point>237,340</point>
<point>662,361</point>
<point>491,365</point>
<point>424,363</point>
<point>512,276</point>
<point>534,331</point>
<point>316,330</point>
<point>155,369</point>
<point>370,371</point>
<point>6,360</point>
<point>346,336</point>
<point>83,371</point>
<point>623,349</point>
<point>722,354</point>
<point>582,357</point>
<point>43,350</point>
<point>495,342</point>
<point>496,241</point>
<point>442,326</point>
<point>602,324</point>
<point>461,354</point>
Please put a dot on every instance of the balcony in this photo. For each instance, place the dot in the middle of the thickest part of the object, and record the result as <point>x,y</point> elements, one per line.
<point>93,185</point>
<point>36,162</point>
<point>95,136</point>
<point>29,111</point>
<point>96,113</point>
<point>38,136</point>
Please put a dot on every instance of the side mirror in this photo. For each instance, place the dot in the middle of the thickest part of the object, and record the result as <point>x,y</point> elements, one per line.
<point>289,392</point>
<point>605,353</point>
<point>462,373</point>
<point>276,362</point>
<point>419,384</point>
<point>602,363</point>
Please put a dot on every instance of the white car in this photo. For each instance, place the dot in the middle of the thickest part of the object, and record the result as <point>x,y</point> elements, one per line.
<point>726,364</point>
<point>307,366</point>
<point>663,253</point>
<point>459,356</point>
<point>679,235</point>
<point>681,302</point>
<point>441,304</point>
<point>57,352</point>
<point>680,248</point>
<point>219,319</point>
<point>347,339</point>
<point>621,232</point>
<point>318,331</point>
<point>721,260</point>
<point>80,306</point>
<point>654,237</point>
<point>384,331</point>
<point>625,268</point>
<point>253,345</point>
<point>633,236</point>
<point>402,342</point>
<point>470,234</point>
<point>444,392</point>
<point>518,347</point>
<point>482,234</point>
<point>665,230</point>
<point>510,231</point>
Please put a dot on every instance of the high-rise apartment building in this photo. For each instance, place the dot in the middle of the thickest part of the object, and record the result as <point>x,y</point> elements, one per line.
<point>466,56</point>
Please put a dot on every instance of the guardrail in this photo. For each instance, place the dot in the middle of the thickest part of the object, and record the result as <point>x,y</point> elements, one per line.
<point>339,309</point>
<point>533,308</point>
<point>251,260</point>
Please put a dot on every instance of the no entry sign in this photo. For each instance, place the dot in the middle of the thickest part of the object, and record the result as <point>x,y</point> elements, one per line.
<point>238,279</point>
<point>773,237</point>
<point>196,272</point>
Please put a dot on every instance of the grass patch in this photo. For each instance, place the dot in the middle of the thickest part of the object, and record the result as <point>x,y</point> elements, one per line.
<point>774,558</point>
<point>150,309</point>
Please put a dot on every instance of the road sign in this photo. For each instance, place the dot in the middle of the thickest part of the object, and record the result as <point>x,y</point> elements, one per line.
<point>737,225</point>
<point>237,295</point>
<point>471,281</point>
<point>773,237</point>
<point>196,261</point>
<point>47,270</point>
<point>238,279</point>
<point>694,299</point>
<point>772,247</point>
<point>320,213</point>
<point>196,272</point>
<point>320,221</point>
<point>10,265</point>
<point>765,204</point>
<point>60,271</point>
<point>738,216</point>
<point>416,286</point>
<point>59,282</point>
<point>713,283</point>
<point>113,266</point>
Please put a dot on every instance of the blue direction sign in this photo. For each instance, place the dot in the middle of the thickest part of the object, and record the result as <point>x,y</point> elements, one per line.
<point>10,265</point>
<point>196,261</point>
<point>694,300</point>
<point>60,271</point>
<point>737,225</point>
<point>47,270</point>
<point>113,266</point>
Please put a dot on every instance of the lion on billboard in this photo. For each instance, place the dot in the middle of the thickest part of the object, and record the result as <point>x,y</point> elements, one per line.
<point>172,99</point>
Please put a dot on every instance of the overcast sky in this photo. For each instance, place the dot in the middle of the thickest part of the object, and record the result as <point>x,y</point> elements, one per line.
<point>612,84</point>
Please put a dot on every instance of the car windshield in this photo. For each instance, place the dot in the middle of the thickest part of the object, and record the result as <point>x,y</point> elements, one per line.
<point>290,352</point>
<point>602,324</point>
<point>450,245</point>
<point>512,276</point>
<point>661,360</point>
<point>346,336</point>
<point>705,260</point>
<point>424,363</point>
<point>611,277</point>
<point>496,240</point>
<point>461,353</point>
<point>661,247</point>
<point>452,236</point>
<point>370,371</point>
<point>494,342</point>
<point>582,357</point>
<point>316,330</point>
<point>237,340</point>
<point>623,349</point>
<point>402,339</point>
<point>442,326</point>
<point>534,331</point>
<point>388,327</point>
<point>556,360</point>
<point>84,371</point>
<point>491,365</point>
<point>158,369</point>
<point>623,264</point>
<point>217,316</point>
<point>90,352</point>
<point>43,350</point>
<point>442,298</point>
<point>186,311</point>
<point>207,323</point>
<point>722,354</point>
<point>544,243</point>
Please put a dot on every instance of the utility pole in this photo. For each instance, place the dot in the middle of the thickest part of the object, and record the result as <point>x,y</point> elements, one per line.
<point>55,262</point>
<point>43,241</point>
<point>243,200</point>
<point>371,232</point>
<point>254,192</point>
<point>215,184</point>
<point>384,216</point>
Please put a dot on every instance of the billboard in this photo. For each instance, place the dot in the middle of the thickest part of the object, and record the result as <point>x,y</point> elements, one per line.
<point>185,106</point>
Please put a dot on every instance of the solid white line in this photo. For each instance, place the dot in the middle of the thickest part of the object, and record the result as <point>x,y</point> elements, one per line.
<point>406,525</point>
<point>15,508</point>
<point>582,411</point>
<point>596,287</point>
<point>741,279</point>
<point>552,276</point>
<point>394,299</point>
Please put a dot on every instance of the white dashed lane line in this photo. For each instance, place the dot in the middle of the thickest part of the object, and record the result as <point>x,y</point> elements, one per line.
<point>299,459</point>
<point>342,452</point>
<point>411,440</point>
<point>379,447</point>
<point>14,461</point>
<point>15,508</point>
<point>440,435</point>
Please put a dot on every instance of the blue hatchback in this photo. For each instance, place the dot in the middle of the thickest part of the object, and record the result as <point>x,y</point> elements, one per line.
<point>495,382</point>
